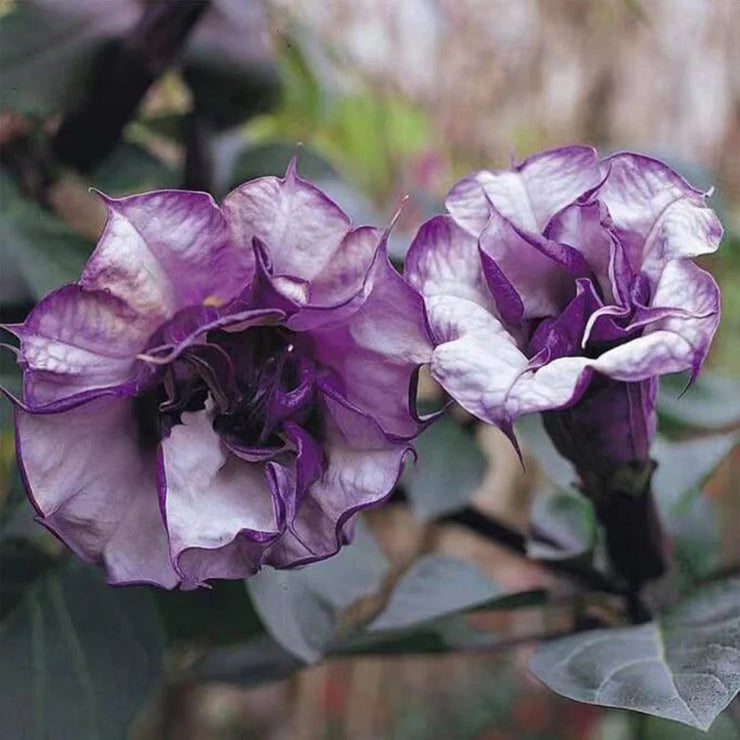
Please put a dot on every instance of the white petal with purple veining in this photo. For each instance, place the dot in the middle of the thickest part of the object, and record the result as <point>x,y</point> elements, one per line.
<point>209,497</point>
<point>95,487</point>
<point>302,227</point>
<point>165,250</point>
<point>529,194</point>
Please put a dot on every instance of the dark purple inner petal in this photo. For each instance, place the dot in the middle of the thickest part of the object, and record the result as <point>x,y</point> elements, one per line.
<point>260,388</point>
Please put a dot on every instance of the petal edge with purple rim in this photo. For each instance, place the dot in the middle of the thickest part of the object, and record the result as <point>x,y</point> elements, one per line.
<point>219,509</point>
<point>363,467</point>
<point>77,341</point>
<point>530,194</point>
<point>377,352</point>
<point>165,250</point>
<point>293,217</point>
<point>656,213</point>
<point>94,488</point>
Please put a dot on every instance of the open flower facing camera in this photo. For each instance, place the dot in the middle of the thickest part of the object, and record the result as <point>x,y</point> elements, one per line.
<point>223,388</point>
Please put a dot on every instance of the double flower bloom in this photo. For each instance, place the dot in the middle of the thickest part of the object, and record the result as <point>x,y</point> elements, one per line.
<point>226,387</point>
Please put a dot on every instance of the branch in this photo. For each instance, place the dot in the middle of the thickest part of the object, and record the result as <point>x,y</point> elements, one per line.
<point>120,78</point>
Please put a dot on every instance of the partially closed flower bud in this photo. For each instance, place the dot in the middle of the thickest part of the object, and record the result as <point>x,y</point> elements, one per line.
<point>566,285</point>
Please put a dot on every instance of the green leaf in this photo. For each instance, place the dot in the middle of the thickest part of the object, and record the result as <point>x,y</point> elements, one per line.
<point>563,523</point>
<point>713,402</point>
<point>46,48</point>
<point>251,663</point>
<point>684,466</point>
<point>653,728</point>
<point>217,615</point>
<point>22,564</point>
<point>562,526</point>
<point>684,665</point>
<point>442,635</point>
<point>79,658</point>
<point>434,586</point>
<point>558,471</point>
<point>272,158</point>
<point>301,608</point>
<point>47,252</point>
<point>449,469</point>
<point>131,169</point>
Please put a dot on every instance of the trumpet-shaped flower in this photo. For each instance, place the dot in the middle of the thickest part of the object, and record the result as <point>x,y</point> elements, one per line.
<point>225,387</point>
<point>567,285</point>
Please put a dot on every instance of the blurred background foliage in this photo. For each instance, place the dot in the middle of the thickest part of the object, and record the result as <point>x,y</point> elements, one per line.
<point>386,99</point>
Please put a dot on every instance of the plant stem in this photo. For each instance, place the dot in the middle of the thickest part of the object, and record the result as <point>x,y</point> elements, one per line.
<point>123,73</point>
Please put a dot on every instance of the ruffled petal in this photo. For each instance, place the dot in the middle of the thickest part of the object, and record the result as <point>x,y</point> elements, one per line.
<point>584,226</point>
<point>301,226</point>
<point>443,260</point>
<point>362,468</point>
<point>375,355</point>
<point>165,250</point>
<point>219,509</point>
<point>656,213</point>
<point>76,342</point>
<point>94,487</point>
<point>481,367</point>
<point>530,193</point>
<point>541,283</point>
<point>680,340</point>
<point>344,275</point>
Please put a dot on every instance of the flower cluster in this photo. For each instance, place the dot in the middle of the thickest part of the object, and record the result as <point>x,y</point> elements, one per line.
<point>566,284</point>
<point>226,387</point>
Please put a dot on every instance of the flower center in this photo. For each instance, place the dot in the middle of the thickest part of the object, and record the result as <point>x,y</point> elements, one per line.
<point>251,382</point>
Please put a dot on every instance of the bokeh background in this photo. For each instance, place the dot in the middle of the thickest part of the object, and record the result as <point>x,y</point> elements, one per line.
<point>389,98</point>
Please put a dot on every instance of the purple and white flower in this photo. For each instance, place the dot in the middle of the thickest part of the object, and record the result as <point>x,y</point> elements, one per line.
<point>567,284</point>
<point>225,387</point>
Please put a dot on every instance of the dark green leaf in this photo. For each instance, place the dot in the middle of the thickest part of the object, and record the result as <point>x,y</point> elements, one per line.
<point>47,46</point>
<point>684,466</point>
<point>272,159</point>
<point>217,615</point>
<point>713,402</point>
<point>434,586</point>
<point>653,728</point>
<point>558,471</point>
<point>684,665</point>
<point>22,563</point>
<point>443,635</point>
<point>131,169</point>
<point>47,252</point>
<point>79,658</point>
<point>248,664</point>
<point>562,526</point>
<point>449,469</point>
<point>300,608</point>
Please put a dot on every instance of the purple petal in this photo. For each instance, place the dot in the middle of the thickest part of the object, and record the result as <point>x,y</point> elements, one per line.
<point>165,250</point>
<point>218,509</point>
<point>443,260</point>
<point>301,227</point>
<point>657,215</point>
<point>612,425</point>
<point>530,194</point>
<point>584,226</point>
<point>542,285</point>
<point>95,488</point>
<point>363,467</point>
<point>377,352</point>
<point>480,365</point>
<point>76,341</point>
